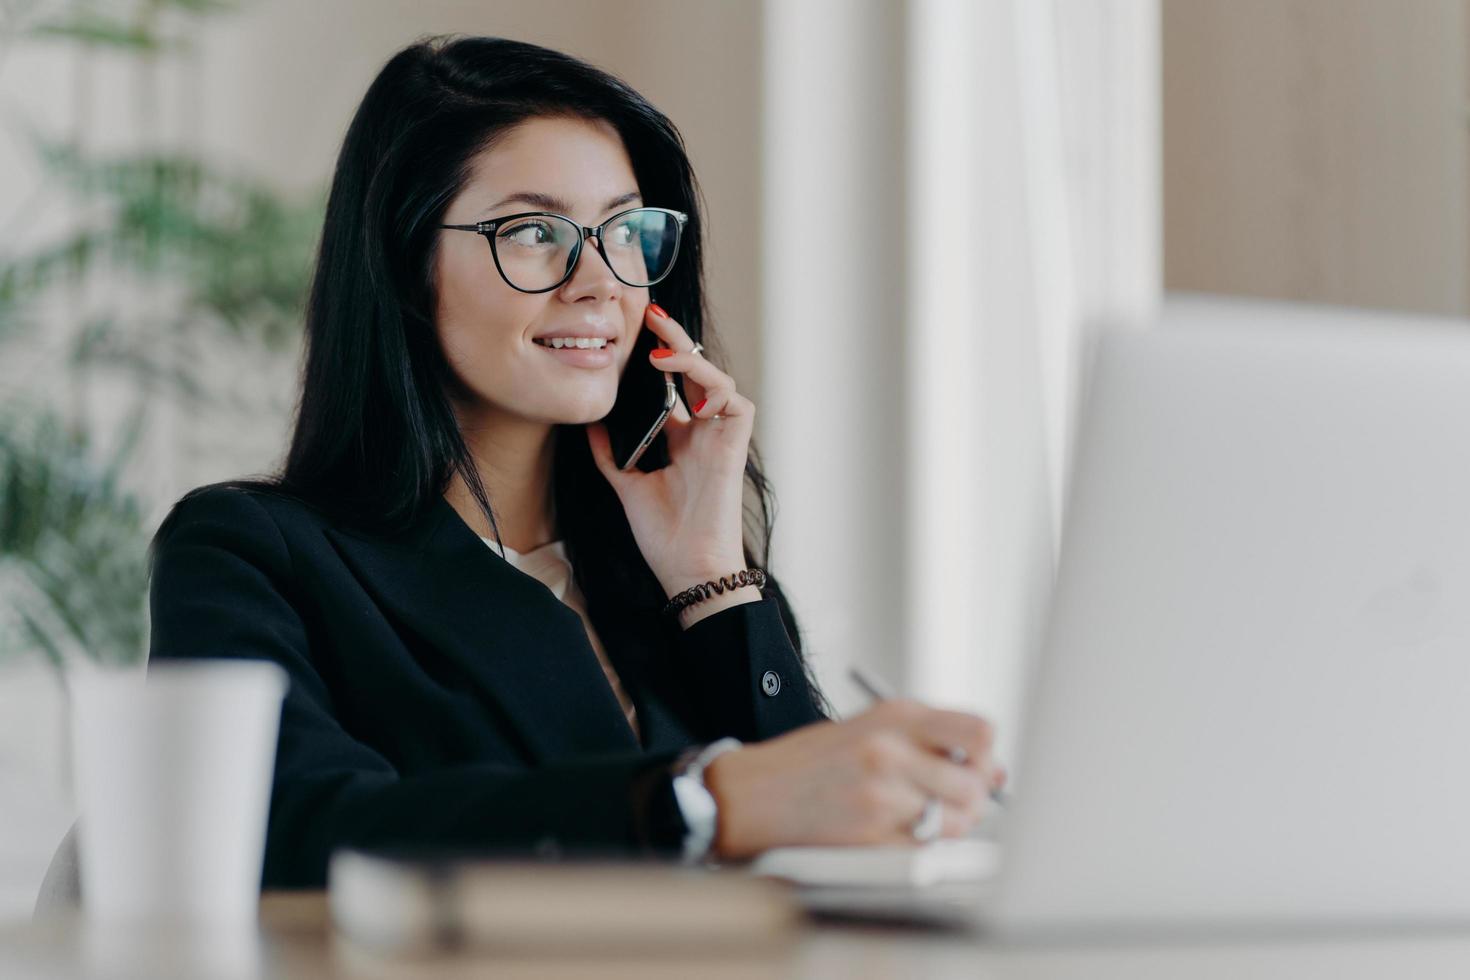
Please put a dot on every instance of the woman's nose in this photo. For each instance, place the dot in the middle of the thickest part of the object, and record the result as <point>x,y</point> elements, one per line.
<point>592,275</point>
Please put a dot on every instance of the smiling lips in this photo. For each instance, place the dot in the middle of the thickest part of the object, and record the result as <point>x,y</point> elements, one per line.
<point>585,343</point>
<point>583,355</point>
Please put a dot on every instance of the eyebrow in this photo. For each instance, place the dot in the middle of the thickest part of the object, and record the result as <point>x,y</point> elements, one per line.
<point>550,202</point>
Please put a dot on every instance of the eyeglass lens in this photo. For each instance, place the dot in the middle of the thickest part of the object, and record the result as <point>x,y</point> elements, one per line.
<point>537,252</point>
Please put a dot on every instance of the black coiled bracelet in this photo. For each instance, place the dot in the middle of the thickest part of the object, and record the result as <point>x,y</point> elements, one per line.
<point>697,593</point>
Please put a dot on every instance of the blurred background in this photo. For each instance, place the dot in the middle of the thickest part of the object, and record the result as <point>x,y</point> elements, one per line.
<point>919,212</point>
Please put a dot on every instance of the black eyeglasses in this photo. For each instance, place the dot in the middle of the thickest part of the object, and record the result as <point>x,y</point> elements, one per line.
<point>536,251</point>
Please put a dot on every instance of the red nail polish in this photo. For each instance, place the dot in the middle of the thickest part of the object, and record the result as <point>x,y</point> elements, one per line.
<point>663,352</point>
<point>658,310</point>
<point>700,405</point>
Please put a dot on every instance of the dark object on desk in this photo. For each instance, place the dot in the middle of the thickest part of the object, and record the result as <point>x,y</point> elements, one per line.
<point>950,907</point>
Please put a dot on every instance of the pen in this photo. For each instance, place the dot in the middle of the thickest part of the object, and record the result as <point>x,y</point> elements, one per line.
<point>879,691</point>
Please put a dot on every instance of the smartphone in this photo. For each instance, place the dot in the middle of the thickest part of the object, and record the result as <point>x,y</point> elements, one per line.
<point>671,397</point>
<point>646,399</point>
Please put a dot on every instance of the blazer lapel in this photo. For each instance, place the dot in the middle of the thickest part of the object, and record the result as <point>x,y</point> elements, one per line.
<point>525,650</point>
<point>630,647</point>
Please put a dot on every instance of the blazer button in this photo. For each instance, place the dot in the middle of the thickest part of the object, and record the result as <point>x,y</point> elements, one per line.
<point>771,683</point>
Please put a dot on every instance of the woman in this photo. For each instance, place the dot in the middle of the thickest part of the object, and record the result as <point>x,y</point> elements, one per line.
<point>467,590</point>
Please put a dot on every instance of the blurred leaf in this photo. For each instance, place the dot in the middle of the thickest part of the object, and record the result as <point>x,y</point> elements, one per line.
<point>91,28</point>
<point>220,255</point>
<point>25,277</point>
<point>200,7</point>
<point>126,27</point>
<point>144,351</point>
<point>39,638</point>
<point>75,538</point>
<point>243,250</point>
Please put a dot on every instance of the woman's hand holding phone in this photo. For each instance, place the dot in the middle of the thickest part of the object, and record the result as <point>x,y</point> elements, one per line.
<point>687,516</point>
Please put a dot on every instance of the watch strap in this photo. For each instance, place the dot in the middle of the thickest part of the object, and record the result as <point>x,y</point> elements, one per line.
<point>697,805</point>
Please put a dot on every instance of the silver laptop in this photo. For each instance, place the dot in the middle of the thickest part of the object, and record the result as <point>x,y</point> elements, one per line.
<point>1252,708</point>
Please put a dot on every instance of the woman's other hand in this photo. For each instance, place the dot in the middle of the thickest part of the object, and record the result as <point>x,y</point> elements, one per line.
<point>864,780</point>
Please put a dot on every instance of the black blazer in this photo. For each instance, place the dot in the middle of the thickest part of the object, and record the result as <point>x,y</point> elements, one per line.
<point>441,698</point>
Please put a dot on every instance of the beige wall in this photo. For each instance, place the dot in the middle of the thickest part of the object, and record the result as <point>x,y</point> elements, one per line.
<point>1316,150</point>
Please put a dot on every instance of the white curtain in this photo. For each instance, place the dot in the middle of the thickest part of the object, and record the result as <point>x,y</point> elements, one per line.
<point>958,194</point>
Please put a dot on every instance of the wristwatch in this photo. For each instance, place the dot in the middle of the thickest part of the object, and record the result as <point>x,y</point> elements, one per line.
<point>696,803</point>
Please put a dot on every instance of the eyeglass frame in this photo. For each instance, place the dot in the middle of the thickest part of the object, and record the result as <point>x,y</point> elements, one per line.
<point>488,228</point>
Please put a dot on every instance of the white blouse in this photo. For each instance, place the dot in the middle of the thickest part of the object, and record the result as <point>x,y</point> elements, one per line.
<point>549,565</point>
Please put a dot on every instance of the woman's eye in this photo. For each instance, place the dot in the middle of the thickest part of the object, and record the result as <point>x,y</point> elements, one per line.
<point>530,233</point>
<point>623,235</point>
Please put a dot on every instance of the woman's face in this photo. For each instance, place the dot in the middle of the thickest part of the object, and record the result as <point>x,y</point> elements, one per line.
<point>489,331</point>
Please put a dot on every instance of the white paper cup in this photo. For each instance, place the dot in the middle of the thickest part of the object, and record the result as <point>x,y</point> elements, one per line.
<point>173,782</point>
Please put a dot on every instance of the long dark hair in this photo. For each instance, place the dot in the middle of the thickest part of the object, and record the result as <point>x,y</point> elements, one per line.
<point>376,439</point>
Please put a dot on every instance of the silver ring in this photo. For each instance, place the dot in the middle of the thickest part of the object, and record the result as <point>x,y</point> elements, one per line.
<point>930,821</point>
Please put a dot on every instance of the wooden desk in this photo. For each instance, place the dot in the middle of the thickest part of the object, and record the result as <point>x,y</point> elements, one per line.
<point>295,939</point>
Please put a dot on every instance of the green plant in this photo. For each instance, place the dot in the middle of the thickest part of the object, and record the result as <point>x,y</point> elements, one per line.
<point>220,260</point>
<point>72,543</point>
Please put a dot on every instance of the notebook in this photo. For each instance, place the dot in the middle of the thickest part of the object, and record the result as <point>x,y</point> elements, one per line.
<point>405,902</point>
<point>937,862</point>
